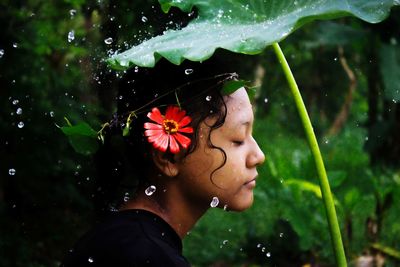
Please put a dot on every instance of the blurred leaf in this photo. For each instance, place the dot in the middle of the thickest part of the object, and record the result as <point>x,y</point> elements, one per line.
<point>305,185</point>
<point>330,33</point>
<point>390,71</point>
<point>387,250</point>
<point>240,27</point>
<point>336,178</point>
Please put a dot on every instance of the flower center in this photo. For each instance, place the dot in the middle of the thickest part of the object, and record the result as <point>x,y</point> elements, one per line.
<point>170,126</point>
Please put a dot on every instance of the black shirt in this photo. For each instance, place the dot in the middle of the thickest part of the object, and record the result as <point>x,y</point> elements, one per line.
<point>129,238</point>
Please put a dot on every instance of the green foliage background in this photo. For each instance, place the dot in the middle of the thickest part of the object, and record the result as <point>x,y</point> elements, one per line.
<point>52,197</point>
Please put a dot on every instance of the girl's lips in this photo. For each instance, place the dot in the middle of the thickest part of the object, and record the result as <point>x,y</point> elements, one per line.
<point>251,183</point>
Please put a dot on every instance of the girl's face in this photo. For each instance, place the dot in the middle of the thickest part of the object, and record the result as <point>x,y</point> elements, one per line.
<point>233,183</point>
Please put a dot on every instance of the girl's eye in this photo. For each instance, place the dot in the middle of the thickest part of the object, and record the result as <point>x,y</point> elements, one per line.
<point>238,142</point>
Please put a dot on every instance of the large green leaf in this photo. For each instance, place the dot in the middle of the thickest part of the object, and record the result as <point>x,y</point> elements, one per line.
<point>241,26</point>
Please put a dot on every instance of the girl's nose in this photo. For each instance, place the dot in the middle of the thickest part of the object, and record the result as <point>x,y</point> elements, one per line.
<point>257,157</point>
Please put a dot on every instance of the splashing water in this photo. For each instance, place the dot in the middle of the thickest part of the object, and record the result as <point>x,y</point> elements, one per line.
<point>11,172</point>
<point>188,71</point>
<point>214,202</point>
<point>108,41</point>
<point>150,190</point>
<point>71,36</point>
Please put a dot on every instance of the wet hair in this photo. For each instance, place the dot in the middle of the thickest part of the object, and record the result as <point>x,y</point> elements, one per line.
<point>126,161</point>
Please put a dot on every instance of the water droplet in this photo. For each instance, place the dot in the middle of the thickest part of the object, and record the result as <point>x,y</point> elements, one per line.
<point>280,234</point>
<point>268,254</point>
<point>144,19</point>
<point>1,53</point>
<point>263,249</point>
<point>15,101</point>
<point>51,113</point>
<point>15,45</point>
<point>20,124</point>
<point>11,172</point>
<point>150,190</point>
<point>258,245</point>
<point>214,202</point>
<point>335,59</point>
<point>225,208</point>
<point>366,138</point>
<point>225,242</point>
<point>208,98</point>
<point>72,12</point>
<point>188,71</point>
<point>108,41</point>
<point>90,260</point>
<point>19,111</point>
<point>136,69</point>
<point>265,100</point>
<point>71,36</point>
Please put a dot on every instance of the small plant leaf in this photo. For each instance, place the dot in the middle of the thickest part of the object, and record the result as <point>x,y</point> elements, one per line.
<point>241,26</point>
<point>82,138</point>
<point>231,86</point>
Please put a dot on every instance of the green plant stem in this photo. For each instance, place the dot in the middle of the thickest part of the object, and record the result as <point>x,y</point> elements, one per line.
<point>319,163</point>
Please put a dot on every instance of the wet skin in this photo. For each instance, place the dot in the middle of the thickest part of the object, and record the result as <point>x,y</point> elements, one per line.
<point>187,185</point>
<point>201,174</point>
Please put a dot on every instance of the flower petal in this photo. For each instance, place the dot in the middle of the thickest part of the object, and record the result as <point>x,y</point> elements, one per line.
<point>185,121</point>
<point>155,138</point>
<point>173,145</point>
<point>153,126</point>
<point>183,140</point>
<point>155,115</point>
<point>186,130</point>
<point>162,145</point>
<point>153,132</point>
<point>174,113</point>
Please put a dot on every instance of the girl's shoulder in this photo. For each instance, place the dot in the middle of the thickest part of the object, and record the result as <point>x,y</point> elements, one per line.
<point>128,238</point>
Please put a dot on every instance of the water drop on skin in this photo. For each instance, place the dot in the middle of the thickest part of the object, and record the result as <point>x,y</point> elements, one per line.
<point>150,190</point>
<point>214,202</point>
<point>108,41</point>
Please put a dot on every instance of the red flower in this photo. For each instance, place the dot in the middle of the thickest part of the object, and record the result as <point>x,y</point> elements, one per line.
<point>168,128</point>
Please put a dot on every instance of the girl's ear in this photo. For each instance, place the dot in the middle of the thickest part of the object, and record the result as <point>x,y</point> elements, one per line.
<point>165,163</point>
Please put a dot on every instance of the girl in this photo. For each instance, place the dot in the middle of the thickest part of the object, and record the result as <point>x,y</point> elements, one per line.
<point>188,145</point>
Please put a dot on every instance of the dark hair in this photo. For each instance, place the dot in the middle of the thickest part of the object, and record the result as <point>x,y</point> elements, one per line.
<point>125,161</point>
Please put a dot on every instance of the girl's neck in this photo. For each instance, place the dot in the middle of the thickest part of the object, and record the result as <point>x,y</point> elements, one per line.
<point>170,205</point>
